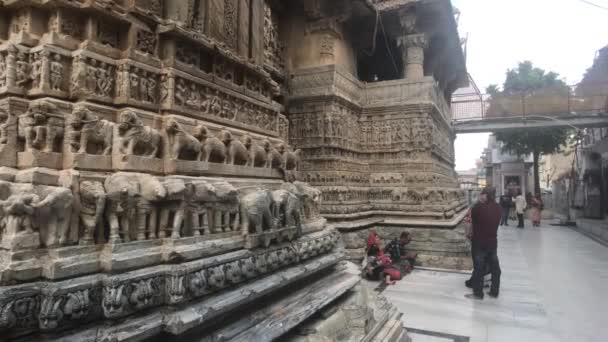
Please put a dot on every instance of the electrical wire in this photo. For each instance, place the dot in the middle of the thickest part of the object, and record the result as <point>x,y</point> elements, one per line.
<point>594,4</point>
<point>388,48</point>
<point>374,37</point>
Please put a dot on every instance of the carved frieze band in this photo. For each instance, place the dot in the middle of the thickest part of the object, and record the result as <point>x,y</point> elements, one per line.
<point>48,307</point>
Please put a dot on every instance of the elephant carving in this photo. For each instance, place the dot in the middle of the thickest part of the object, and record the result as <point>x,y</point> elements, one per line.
<point>136,138</point>
<point>213,150</point>
<point>40,127</point>
<point>90,132</point>
<point>257,154</point>
<point>256,211</point>
<point>133,198</point>
<point>92,207</point>
<point>287,209</point>
<point>182,145</point>
<point>291,160</point>
<point>236,152</point>
<point>274,158</point>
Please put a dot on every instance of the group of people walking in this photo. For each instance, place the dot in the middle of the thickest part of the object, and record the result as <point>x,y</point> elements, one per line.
<point>518,205</point>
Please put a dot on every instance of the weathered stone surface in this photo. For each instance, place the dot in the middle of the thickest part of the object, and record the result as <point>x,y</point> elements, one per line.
<point>153,155</point>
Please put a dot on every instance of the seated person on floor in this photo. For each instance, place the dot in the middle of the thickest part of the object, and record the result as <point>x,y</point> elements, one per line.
<point>396,249</point>
<point>379,264</point>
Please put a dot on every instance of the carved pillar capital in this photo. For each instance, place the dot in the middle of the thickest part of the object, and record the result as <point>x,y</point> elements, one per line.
<point>413,54</point>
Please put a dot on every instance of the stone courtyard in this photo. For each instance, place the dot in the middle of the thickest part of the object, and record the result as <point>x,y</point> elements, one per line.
<point>553,279</point>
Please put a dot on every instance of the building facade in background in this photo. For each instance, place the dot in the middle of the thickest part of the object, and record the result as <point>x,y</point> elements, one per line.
<point>506,172</point>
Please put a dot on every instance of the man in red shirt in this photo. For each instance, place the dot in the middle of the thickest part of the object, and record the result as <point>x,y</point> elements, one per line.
<point>485,217</point>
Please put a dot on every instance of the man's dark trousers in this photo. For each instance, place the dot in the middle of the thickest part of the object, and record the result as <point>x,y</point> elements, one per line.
<point>481,256</point>
<point>520,219</point>
<point>504,220</point>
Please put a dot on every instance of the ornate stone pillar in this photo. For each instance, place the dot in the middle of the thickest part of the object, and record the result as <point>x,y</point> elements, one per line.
<point>413,55</point>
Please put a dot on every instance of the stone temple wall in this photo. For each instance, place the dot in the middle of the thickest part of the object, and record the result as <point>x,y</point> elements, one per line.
<point>143,165</point>
<point>382,152</point>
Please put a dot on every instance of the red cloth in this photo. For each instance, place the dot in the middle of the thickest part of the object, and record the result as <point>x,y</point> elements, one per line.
<point>485,218</point>
<point>371,239</point>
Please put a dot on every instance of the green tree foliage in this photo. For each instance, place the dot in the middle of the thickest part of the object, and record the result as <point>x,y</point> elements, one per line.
<point>536,141</point>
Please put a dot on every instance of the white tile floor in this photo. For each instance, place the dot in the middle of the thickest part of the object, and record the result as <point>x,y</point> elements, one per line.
<point>554,288</point>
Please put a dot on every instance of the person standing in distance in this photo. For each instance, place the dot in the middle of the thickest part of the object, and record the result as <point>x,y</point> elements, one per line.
<point>520,207</point>
<point>505,203</point>
<point>485,218</point>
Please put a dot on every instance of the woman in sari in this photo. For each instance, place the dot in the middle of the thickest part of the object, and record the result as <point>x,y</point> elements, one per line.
<point>537,207</point>
<point>379,265</point>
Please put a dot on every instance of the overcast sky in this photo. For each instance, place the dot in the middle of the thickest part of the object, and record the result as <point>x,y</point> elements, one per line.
<point>557,35</point>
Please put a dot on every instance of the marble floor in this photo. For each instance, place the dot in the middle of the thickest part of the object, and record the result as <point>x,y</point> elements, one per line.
<point>554,288</point>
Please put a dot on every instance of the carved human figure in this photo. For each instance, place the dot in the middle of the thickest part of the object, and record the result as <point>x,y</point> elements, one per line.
<point>6,121</point>
<point>181,93</point>
<point>22,69</point>
<point>91,130</point>
<point>151,89</point>
<point>40,127</point>
<point>135,138</point>
<point>134,85</point>
<point>107,81</point>
<point>101,75</point>
<point>213,150</point>
<point>36,69</point>
<point>216,104</point>
<point>92,206</point>
<point>91,76</point>
<point>56,73</point>
<point>164,88</point>
<point>3,70</point>
<point>194,99</point>
<point>182,144</point>
<point>257,154</point>
<point>237,153</point>
<point>143,87</point>
<point>256,212</point>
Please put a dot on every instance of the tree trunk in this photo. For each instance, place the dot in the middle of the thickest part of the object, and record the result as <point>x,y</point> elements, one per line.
<point>536,157</point>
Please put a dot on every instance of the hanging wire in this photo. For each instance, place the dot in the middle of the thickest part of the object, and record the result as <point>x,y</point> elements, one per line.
<point>388,48</point>
<point>594,4</point>
<point>371,53</point>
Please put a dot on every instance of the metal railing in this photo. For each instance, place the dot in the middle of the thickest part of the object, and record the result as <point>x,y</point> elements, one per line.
<point>587,98</point>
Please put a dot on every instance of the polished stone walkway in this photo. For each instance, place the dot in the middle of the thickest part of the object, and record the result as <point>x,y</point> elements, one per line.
<point>554,288</point>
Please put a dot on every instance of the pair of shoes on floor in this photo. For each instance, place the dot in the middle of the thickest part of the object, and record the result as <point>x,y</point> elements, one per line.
<point>493,294</point>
